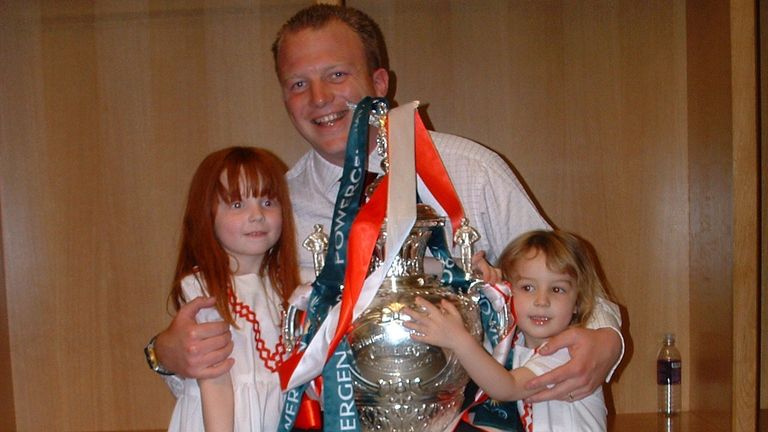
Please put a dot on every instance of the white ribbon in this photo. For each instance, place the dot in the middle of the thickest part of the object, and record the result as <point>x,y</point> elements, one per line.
<point>401,215</point>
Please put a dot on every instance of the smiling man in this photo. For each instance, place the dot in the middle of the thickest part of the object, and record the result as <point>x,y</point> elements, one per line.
<point>326,58</point>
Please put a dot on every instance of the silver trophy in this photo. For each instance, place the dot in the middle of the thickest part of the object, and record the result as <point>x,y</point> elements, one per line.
<point>400,384</point>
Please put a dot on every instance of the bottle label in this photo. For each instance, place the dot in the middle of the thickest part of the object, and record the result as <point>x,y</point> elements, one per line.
<point>669,371</point>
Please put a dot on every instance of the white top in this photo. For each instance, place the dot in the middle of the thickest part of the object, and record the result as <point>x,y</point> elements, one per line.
<point>258,398</point>
<point>585,415</point>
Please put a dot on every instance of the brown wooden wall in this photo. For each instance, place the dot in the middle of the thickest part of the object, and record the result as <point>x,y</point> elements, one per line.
<point>618,115</point>
<point>763,52</point>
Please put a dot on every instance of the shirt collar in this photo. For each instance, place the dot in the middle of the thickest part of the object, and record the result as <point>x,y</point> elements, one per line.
<point>327,174</point>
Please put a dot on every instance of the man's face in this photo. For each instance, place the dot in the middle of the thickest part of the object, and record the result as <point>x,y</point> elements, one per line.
<point>320,72</point>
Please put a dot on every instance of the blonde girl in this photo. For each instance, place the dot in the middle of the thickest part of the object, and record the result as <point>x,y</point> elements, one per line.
<point>555,284</point>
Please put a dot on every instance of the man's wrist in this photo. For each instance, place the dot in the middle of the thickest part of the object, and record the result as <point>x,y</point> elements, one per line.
<point>615,335</point>
<point>152,360</point>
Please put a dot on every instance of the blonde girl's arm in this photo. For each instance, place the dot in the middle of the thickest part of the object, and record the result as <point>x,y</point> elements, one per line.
<point>218,401</point>
<point>442,326</point>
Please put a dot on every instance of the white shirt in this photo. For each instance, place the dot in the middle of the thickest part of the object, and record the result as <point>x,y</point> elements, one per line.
<point>585,415</point>
<point>494,200</point>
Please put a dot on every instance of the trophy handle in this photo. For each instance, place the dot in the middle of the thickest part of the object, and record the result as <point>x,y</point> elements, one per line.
<point>293,328</point>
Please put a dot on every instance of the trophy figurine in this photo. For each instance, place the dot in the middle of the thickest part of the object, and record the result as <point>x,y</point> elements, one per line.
<point>465,237</point>
<point>317,244</point>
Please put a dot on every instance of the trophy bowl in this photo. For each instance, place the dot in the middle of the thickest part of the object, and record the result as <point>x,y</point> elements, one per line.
<point>402,384</point>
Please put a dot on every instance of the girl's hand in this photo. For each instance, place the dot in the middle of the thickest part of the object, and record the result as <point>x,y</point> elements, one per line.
<point>436,325</point>
<point>490,274</point>
<point>300,296</point>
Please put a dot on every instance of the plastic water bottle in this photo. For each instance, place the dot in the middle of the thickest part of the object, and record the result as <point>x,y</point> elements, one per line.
<point>669,376</point>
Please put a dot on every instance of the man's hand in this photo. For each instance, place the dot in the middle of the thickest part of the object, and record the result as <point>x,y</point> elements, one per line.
<point>593,355</point>
<point>194,350</point>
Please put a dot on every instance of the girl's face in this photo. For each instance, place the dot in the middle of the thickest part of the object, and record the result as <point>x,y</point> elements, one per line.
<point>544,301</point>
<point>247,229</point>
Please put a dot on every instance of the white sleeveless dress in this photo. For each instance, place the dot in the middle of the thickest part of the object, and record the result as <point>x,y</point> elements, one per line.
<point>257,395</point>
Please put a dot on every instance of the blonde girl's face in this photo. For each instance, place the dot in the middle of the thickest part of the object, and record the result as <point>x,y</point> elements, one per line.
<point>247,229</point>
<point>544,301</point>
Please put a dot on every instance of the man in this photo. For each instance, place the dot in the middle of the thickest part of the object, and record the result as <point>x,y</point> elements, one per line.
<point>326,58</point>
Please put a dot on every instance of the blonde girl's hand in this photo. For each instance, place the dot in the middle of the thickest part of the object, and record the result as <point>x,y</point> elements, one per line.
<point>490,274</point>
<point>436,325</point>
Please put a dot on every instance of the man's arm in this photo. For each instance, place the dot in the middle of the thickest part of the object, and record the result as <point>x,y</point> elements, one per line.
<point>194,350</point>
<point>498,205</point>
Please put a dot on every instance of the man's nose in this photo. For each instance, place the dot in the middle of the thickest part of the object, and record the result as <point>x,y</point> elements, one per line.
<point>320,93</point>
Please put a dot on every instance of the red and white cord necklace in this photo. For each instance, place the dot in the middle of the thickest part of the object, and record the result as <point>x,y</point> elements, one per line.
<point>272,358</point>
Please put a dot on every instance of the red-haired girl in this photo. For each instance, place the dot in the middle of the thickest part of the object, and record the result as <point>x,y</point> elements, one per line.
<point>238,246</point>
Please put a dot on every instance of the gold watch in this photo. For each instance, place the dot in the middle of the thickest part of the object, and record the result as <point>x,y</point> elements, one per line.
<point>154,364</point>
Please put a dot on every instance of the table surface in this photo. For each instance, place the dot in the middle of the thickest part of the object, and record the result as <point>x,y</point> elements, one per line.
<point>649,422</point>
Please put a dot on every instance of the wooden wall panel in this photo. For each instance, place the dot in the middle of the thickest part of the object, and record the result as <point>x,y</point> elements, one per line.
<point>746,233</point>
<point>763,53</point>
<point>711,172</point>
<point>7,407</point>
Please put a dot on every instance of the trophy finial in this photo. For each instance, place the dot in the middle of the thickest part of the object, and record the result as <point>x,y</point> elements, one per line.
<point>317,244</point>
<point>465,238</point>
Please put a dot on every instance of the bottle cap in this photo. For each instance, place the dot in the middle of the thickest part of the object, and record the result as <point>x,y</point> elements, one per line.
<point>669,338</point>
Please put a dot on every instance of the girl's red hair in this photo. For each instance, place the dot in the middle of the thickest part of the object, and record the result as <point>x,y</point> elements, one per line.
<point>261,173</point>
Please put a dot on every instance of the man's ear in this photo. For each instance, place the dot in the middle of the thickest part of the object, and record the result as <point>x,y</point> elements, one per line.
<point>381,82</point>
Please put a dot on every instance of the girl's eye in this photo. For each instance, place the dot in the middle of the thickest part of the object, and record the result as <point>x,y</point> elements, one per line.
<point>236,204</point>
<point>267,203</point>
<point>558,290</point>
<point>527,288</point>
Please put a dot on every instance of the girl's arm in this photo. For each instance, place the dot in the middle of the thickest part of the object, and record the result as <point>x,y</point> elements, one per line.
<point>444,327</point>
<point>218,403</point>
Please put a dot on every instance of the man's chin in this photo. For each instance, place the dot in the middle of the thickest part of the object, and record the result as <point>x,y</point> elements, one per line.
<point>332,152</point>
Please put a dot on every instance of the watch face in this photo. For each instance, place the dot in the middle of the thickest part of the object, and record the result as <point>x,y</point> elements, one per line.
<point>154,364</point>
<point>149,352</point>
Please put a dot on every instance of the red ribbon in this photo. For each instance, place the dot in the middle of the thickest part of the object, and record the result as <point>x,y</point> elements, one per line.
<point>365,231</point>
<point>362,239</point>
<point>310,417</point>
<point>430,167</point>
